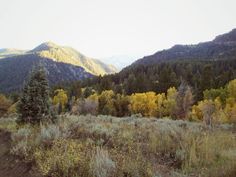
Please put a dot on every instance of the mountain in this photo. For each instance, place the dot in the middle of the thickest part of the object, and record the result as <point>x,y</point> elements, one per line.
<point>222,47</point>
<point>10,52</point>
<point>61,63</point>
<point>203,66</point>
<point>71,56</point>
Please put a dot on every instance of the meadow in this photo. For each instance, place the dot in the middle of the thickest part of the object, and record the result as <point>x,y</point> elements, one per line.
<point>106,146</point>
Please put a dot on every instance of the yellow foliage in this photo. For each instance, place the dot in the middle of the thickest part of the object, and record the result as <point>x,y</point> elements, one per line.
<point>63,156</point>
<point>231,88</point>
<point>93,97</point>
<point>107,103</point>
<point>170,102</point>
<point>211,109</point>
<point>144,103</point>
<point>196,113</point>
<point>60,98</point>
<point>4,105</point>
<point>12,109</point>
<point>230,110</point>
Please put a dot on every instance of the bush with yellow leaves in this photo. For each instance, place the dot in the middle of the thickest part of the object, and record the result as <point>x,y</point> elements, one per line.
<point>61,159</point>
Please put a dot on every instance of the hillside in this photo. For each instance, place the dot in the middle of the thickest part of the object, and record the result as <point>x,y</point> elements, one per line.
<point>72,56</point>
<point>62,64</point>
<point>14,71</point>
<point>10,52</point>
<point>222,47</point>
<point>203,66</point>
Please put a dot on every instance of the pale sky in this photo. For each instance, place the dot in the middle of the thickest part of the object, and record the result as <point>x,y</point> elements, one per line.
<point>103,28</point>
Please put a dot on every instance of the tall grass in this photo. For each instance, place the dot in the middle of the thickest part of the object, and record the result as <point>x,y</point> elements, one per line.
<point>108,146</point>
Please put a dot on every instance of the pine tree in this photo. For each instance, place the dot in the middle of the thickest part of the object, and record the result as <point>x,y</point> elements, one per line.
<point>34,103</point>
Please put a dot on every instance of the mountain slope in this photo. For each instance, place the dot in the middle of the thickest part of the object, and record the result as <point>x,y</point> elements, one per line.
<point>71,56</point>
<point>202,66</point>
<point>15,70</point>
<point>10,52</point>
<point>222,47</point>
<point>61,63</point>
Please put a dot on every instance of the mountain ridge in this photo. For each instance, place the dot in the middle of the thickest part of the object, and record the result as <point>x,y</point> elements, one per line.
<point>221,47</point>
<point>62,64</point>
<point>67,55</point>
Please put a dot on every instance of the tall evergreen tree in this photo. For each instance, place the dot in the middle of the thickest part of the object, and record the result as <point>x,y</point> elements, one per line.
<point>34,103</point>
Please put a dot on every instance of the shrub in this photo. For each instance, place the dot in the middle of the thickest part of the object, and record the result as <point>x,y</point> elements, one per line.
<point>8,124</point>
<point>101,165</point>
<point>21,141</point>
<point>62,159</point>
<point>4,105</point>
<point>49,133</point>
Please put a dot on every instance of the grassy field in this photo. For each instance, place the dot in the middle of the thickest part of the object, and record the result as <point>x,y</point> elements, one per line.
<point>105,146</point>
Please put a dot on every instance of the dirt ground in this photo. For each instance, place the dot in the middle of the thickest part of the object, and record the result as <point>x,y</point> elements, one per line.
<point>10,166</point>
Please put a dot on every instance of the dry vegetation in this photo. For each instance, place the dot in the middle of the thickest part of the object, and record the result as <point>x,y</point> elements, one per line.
<point>106,146</point>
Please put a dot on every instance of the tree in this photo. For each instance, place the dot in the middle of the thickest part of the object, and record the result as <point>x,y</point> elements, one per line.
<point>87,106</point>
<point>60,99</point>
<point>170,102</point>
<point>231,88</point>
<point>144,103</point>
<point>122,105</point>
<point>75,90</point>
<point>216,93</point>
<point>87,92</point>
<point>34,105</point>
<point>160,100</point>
<point>106,103</point>
<point>207,77</point>
<point>230,107</point>
<point>184,101</point>
<point>4,105</point>
<point>208,108</point>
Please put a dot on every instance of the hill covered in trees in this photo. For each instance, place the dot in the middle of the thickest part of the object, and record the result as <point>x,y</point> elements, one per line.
<point>62,64</point>
<point>221,48</point>
<point>203,66</point>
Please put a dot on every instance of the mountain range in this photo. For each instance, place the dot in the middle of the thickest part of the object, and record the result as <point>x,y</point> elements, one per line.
<point>61,63</point>
<point>222,47</point>
<point>202,66</point>
<point>177,63</point>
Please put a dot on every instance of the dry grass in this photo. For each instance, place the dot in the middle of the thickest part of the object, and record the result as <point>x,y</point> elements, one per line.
<point>105,146</point>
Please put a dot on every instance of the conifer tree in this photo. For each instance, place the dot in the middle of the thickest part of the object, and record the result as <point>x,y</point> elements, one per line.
<point>34,103</point>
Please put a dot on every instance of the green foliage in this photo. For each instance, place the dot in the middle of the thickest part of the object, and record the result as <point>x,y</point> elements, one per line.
<point>216,93</point>
<point>106,103</point>
<point>160,76</point>
<point>34,102</point>
<point>122,103</point>
<point>87,92</point>
<point>218,106</point>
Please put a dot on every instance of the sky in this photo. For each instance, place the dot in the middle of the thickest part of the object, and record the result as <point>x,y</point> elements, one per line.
<point>104,28</point>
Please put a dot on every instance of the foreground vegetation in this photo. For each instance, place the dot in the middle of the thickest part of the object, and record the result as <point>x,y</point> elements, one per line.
<point>64,134</point>
<point>106,146</point>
